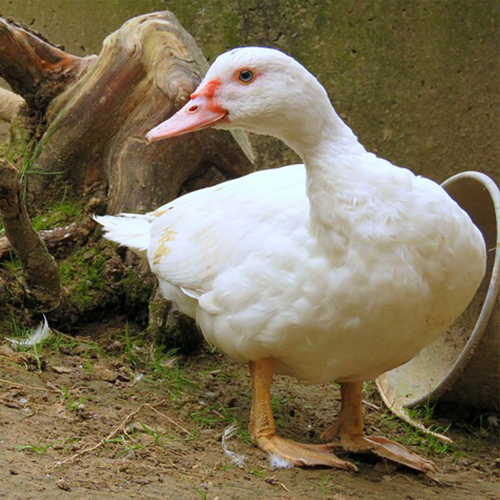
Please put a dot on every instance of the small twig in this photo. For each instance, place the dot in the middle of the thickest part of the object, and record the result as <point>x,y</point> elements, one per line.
<point>283,486</point>
<point>90,449</point>
<point>371,405</point>
<point>273,480</point>
<point>116,430</point>
<point>170,420</point>
<point>15,384</point>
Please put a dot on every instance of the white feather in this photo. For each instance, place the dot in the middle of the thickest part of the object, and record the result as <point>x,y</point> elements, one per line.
<point>236,458</point>
<point>36,337</point>
<point>279,463</point>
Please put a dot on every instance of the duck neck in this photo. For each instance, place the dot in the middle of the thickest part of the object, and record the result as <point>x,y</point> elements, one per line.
<point>330,151</point>
<point>322,133</point>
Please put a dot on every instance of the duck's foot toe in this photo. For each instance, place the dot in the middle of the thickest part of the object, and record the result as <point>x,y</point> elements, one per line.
<point>303,455</point>
<point>386,449</point>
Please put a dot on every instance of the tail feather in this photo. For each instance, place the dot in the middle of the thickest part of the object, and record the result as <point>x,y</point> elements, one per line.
<point>128,230</point>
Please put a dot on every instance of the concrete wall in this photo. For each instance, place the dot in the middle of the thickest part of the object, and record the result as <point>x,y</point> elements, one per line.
<point>418,81</point>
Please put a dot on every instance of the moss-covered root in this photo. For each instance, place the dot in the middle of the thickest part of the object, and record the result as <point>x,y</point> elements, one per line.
<point>41,272</point>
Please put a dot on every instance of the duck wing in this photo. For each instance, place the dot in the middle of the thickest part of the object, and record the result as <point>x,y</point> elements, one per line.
<point>198,236</point>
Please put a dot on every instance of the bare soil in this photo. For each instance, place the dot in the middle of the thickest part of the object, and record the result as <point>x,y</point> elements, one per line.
<point>106,416</point>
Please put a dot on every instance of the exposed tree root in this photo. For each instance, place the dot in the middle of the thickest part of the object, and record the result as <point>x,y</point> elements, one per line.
<point>41,272</point>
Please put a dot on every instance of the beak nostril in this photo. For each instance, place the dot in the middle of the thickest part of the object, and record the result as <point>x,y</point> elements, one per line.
<point>193,109</point>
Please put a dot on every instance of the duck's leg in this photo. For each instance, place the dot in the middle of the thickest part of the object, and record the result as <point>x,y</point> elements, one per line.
<point>349,428</point>
<point>263,429</point>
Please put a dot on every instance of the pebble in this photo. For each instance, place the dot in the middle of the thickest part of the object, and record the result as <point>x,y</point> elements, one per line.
<point>61,369</point>
<point>63,484</point>
<point>105,374</point>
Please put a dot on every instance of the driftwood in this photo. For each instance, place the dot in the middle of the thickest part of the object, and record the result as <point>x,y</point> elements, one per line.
<point>89,116</point>
<point>43,284</point>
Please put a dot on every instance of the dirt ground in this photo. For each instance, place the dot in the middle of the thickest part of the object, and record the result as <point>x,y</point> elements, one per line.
<point>104,415</point>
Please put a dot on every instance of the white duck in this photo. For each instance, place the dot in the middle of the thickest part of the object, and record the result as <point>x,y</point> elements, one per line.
<point>339,271</point>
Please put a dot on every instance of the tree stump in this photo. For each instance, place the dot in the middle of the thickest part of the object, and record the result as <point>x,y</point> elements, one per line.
<point>89,116</point>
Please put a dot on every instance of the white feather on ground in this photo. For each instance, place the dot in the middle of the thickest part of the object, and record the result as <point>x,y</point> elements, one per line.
<point>279,463</point>
<point>235,458</point>
<point>38,335</point>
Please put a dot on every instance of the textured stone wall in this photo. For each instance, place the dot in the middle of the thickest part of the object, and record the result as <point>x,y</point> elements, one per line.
<point>418,81</point>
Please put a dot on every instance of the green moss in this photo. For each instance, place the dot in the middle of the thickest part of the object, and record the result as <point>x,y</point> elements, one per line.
<point>136,288</point>
<point>96,280</point>
<point>57,215</point>
<point>82,273</point>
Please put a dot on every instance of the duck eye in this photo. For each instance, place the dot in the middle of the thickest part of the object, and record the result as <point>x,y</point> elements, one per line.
<point>246,76</point>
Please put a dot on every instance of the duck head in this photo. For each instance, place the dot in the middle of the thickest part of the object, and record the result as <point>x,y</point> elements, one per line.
<point>258,89</point>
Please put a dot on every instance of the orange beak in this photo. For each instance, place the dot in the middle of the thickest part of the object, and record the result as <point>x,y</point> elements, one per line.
<point>199,113</point>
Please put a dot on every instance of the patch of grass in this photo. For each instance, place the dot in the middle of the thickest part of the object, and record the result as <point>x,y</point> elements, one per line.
<point>68,443</point>
<point>426,442</point>
<point>20,333</point>
<point>87,365</point>
<point>134,447</point>
<point>278,402</point>
<point>126,442</point>
<point>244,434</point>
<point>12,264</point>
<point>258,472</point>
<point>201,493</point>
<point>38,448</point>
<point>37,353</point>
<point>72,404</point>
<point>130,349</point>
<point>423,413</point>
<point>228,466</point>
<point>458,455</point>
<point>216,415</point>
<point>165,366</point>
<point>153,432</point>
<point>414,437</point>
<point>59,342</point>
